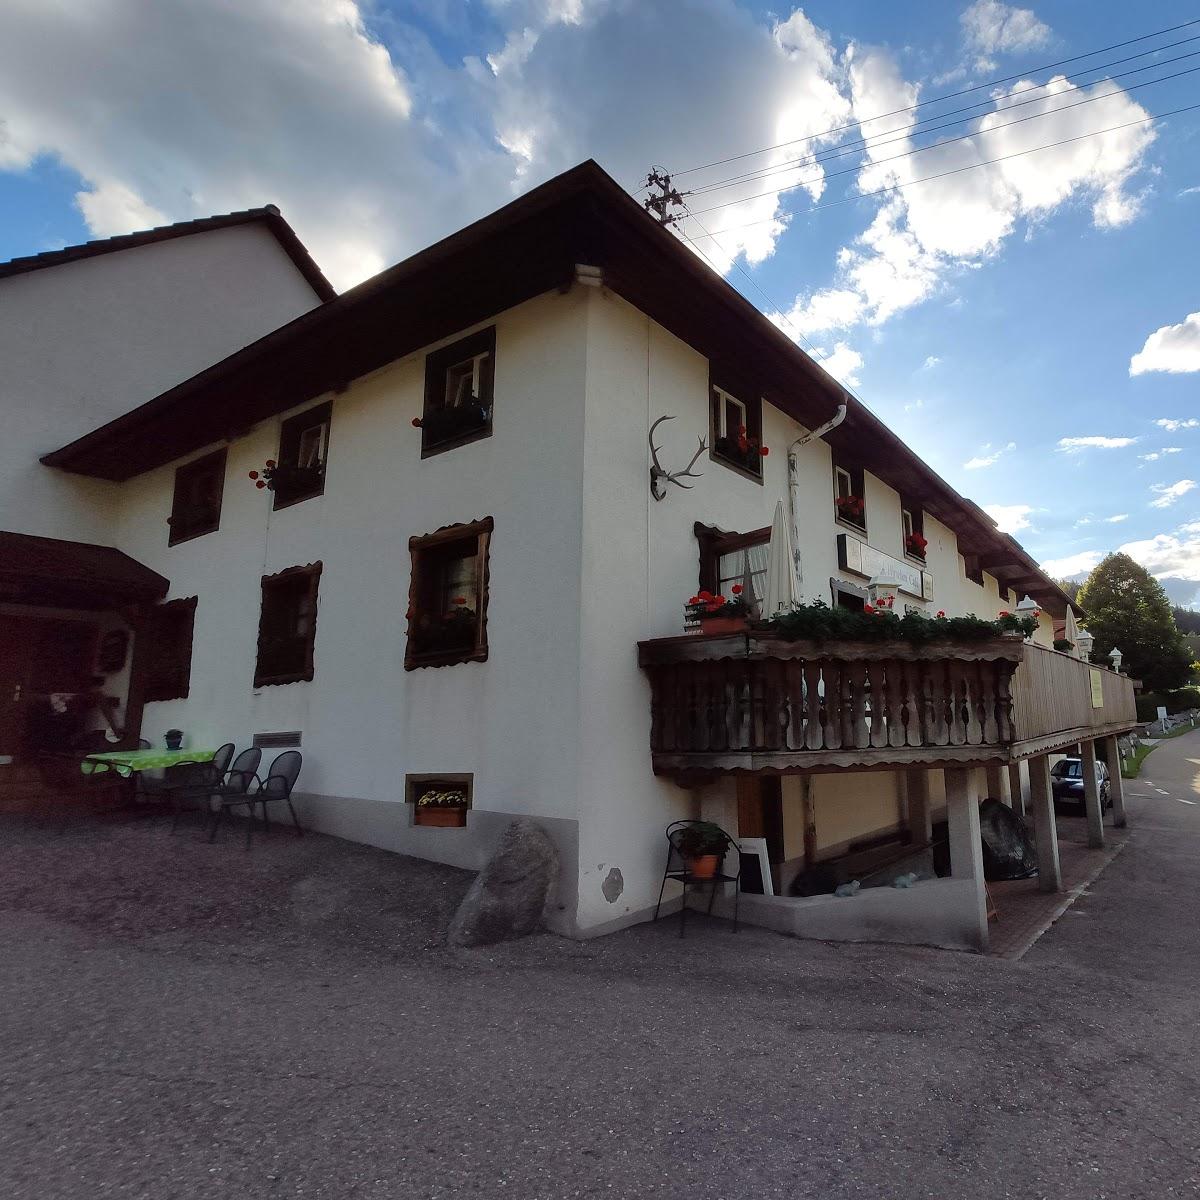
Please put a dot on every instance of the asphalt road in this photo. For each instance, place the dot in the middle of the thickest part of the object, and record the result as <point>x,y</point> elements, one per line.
<point>184,1021</point>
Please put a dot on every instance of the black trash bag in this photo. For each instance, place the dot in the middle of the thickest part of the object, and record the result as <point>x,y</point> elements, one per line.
<point>1008,852</point>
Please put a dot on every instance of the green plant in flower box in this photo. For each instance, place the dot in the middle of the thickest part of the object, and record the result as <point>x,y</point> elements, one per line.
<point>817,622</point>
<point>442,798</point>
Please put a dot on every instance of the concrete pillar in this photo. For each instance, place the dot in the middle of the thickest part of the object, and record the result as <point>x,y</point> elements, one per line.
<point>1017,788</point>
<point>920,812</point>
<point>997,785</point>
<point>1044,825</point>
<point>966,849</point>
<point>1091,795</point>
<point>1116,785</point>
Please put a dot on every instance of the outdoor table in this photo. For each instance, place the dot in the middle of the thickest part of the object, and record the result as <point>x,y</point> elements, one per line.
<point>126,762</point>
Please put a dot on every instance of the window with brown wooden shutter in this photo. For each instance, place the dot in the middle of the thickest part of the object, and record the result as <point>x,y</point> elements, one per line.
<point>448,596</point>
<point>287,626</point>
<point>196,503</point>
<point>169,656</point>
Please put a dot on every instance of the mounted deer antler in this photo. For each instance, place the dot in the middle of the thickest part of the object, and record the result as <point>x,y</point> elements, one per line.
<point>659,477</point>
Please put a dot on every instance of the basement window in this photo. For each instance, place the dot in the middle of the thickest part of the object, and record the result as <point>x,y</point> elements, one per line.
<point>448,596</point>
<point>459,388</point>
<point>196,503</point>
<point>287,626</point>
<point>303,452</point>
<point>168,653</point>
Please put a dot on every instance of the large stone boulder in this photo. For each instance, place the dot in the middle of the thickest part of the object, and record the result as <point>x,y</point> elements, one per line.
<point>510,894</point>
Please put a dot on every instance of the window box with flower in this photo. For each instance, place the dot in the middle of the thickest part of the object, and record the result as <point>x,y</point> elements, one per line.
<point>716,614</point>
<point>915,545</point>
<point>440,805</point>
<point>852,509</point>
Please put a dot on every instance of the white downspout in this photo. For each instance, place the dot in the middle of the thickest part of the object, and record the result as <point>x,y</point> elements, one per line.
<point>794,483</point>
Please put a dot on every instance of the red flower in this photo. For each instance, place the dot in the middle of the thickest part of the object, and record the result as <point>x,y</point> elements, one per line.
<point>736,589</point>
<point>460,599</point>
<point>765,451</point>
<point>253,474</point>
<point>868,608</point>
<point>416,422</point>
<point>741,431</point>
<point>271,463</point>
<point>262,483</point>
<point>705,595</point>
<point>941,612</point>
<point>1004,612</point>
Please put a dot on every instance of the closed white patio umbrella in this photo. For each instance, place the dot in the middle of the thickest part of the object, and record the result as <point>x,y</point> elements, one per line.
<point>782,593</point>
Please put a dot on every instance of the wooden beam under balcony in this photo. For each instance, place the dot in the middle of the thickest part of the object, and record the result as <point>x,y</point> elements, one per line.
<point>752,702</point>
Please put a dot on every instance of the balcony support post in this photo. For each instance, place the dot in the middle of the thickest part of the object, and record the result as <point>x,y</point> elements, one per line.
<point>997,786</point>
<point>920,812</point>
<point>1044,825</point>
<point>1091,795</point>
<point>1116,784</point>
<point>1017,788</point>
<point>966,849</point>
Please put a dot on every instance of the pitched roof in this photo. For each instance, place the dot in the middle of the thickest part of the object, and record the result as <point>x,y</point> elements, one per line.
<point>530,246</point>
<point>268,214</point>
<point>50,571</point>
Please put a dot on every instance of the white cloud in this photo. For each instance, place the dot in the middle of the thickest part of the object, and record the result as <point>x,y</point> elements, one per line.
<point>994,28</point>
<point>1172,348</point>
<point>1175,555</point>
<point>923,235</point>
<point>1074,445</point>
<point>1168,493</point>
<point>843,363</point>
<point>931,362</point>
<point>1072,564</point>
<point>1117,519</point>
<point>370,140</point>
<point>984,459</point>
<point>1175,426</point>
<point>1155,455</point>
<point>1011,518</point>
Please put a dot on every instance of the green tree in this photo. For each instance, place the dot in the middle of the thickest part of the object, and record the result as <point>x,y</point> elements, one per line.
<point>1070,586</point>
<point>1127,607</point>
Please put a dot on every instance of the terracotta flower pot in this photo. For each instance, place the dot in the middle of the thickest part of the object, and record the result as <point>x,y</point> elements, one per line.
<point>722,624</point>
<point>440,818</point>
<point>704,866</point>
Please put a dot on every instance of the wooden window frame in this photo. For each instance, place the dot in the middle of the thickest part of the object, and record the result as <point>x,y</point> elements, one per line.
<point>437,365</point>
<point>184,474</point>
<point>160,684</point>
<point>914,524</point>
<point>307,670</point>
<point>291,433</point>
<point>721,386</point>
<point>857,477</point>
<point>418,549</point>
<point>714,543</point>
<point>838,586</point>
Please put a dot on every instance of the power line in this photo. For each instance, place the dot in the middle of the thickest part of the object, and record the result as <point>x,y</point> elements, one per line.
<point>956,171</point>
<point>947,96</point>
<point>862,143</point>
<point>935,145</point>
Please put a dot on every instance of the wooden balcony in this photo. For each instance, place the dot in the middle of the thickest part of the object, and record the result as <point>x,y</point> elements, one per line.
<point>750,702</point>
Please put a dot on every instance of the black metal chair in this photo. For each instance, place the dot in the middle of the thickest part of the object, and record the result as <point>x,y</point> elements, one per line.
<point>236,785</point>
<point>679,867</point>
<point>281,778</point>
<point>195,781</point>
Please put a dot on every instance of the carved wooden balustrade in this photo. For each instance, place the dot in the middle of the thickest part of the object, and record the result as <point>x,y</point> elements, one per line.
<point>752,702</point>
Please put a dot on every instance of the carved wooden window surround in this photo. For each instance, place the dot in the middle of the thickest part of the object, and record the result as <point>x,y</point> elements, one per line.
<point>287,626</point>
<point>715,544</point>
<point>448,596</point>
<point>196,502</point>
<point>460,384</point>
<point>168,630</point>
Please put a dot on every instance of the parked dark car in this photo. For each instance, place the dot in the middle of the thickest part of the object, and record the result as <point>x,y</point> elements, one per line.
<point>1066,781</point>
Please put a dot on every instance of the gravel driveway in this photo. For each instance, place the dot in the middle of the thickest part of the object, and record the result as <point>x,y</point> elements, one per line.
<point>184,1020</point>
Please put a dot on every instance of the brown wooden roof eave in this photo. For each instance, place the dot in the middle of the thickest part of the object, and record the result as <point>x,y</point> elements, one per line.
<point>50,566</point>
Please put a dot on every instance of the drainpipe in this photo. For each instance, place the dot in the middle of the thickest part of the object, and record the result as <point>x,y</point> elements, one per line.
<point>794,482</point>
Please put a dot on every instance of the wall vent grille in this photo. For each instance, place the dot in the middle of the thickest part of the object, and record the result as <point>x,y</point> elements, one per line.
<point>276,741</point>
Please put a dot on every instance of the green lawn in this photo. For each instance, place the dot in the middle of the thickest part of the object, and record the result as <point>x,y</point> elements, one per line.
<point>1131,766</point>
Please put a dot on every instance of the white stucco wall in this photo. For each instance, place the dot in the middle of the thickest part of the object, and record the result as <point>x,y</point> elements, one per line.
<point>511,721</point>
<point>86,341</point>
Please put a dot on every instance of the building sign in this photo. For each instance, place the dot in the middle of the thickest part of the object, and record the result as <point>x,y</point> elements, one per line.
<point>1097,688</point>
<point>860,559</point>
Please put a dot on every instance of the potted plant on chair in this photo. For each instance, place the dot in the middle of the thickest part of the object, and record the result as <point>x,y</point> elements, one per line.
<point>702,847</point>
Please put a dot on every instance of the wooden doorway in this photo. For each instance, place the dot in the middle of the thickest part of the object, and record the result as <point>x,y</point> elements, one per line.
<point>41,657</point>
<point>760,815</point>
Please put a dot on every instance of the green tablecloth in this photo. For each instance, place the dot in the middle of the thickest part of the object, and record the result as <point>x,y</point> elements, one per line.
<point>126,761</point>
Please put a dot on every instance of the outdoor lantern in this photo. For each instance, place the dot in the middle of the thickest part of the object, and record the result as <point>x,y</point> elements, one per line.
<point>1084,642</point>
<point>884,589</point>
<point>1114,657</point>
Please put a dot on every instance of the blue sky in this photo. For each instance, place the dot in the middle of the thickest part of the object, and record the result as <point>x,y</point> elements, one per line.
<point>1023,325</point>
